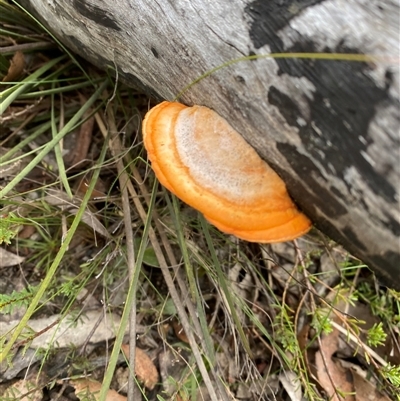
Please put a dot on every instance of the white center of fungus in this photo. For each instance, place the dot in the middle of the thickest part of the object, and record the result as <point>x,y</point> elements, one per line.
<point>219,159</point>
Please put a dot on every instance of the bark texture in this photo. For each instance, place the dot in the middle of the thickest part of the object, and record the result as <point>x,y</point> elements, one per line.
<point>329,128</point>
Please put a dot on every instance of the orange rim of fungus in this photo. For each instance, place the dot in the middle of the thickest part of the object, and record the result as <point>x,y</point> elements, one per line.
<point>200,158</point>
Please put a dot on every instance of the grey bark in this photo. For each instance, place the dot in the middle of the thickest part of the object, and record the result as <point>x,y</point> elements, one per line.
<point>329,128</point>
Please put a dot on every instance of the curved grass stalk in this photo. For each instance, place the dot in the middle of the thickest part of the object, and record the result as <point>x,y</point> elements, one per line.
<point>310,56</point>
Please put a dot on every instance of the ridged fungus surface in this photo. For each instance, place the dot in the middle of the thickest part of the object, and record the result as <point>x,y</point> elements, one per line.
<point>200,158</point>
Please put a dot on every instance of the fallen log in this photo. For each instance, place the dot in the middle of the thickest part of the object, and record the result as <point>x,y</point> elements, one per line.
<point>329,127</point>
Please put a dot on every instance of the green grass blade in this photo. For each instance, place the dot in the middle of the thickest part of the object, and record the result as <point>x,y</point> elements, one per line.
<point>45,92</point>
<point>58,153</point>
<point>60,254</point>
<point>131,297</point>
<point>71,123</point>
<point>9,95</point>
<point>192,283</point>
<point>5,159</point>
<point>224,287</point>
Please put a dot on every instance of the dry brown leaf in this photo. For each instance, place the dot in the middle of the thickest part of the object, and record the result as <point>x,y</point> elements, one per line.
<point>179,332</point>
<point>76,146</point>
<point>17,65</point>
<point>26,232</point>
<point>145,369</point>
<point>9,259</point>
<point>302,338</point>
<point>333,377</point>
<point>23,359</point>
<point>10,168</point>
<point>99,191</point>
<point>85,388</point>
<point>365,388</point>
<point>85,139</point>
<point>23,390</point>
<point>61,200</point>
<point>291,384</point>
<point>56,333</point>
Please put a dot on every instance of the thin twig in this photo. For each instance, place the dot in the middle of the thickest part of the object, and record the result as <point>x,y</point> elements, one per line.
<point>27,47</point>
<point>170,254</point>
<point>358,342</point>
<point>174,264</point>
<point>174,294</point>
<point>116,149</point>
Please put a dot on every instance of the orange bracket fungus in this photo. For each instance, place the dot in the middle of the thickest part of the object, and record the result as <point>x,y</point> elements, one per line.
<point>200,158</point>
